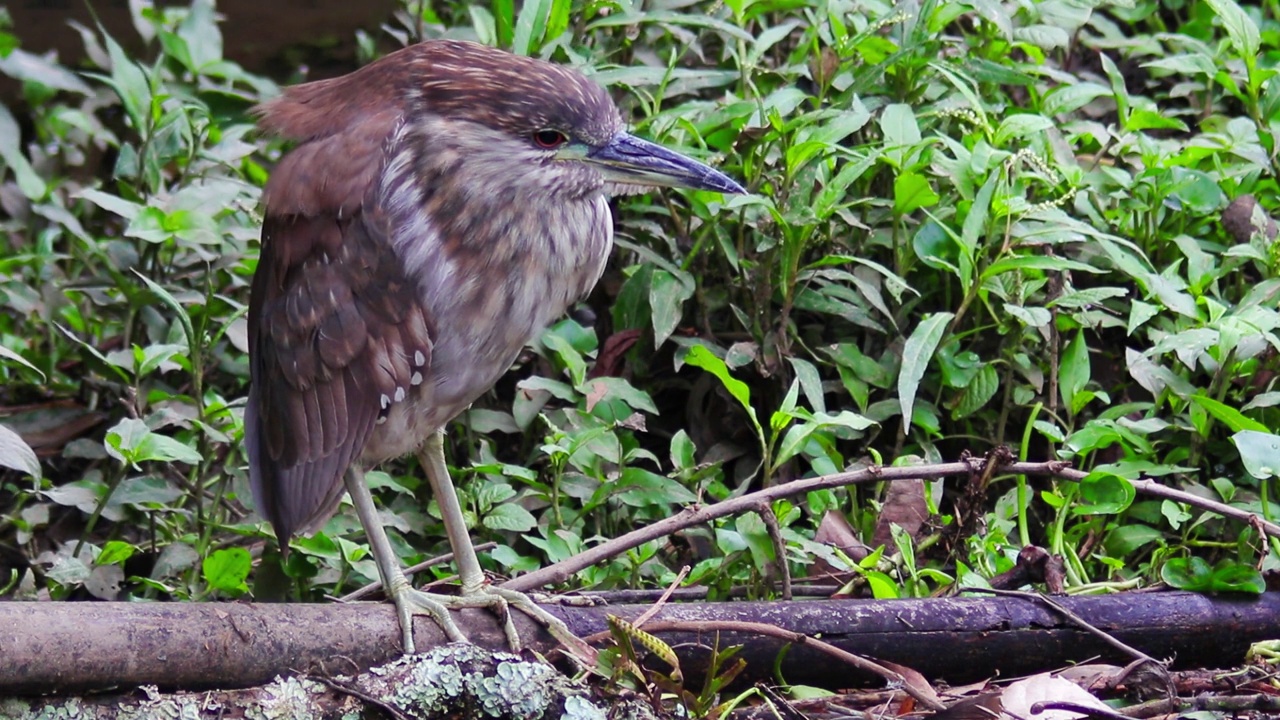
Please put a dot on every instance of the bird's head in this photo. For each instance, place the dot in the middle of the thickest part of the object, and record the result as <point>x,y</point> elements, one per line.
<point>542,124</point>
<point>495,126</point>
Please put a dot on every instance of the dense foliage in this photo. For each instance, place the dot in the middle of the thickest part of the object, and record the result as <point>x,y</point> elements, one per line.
<point>972,224</point>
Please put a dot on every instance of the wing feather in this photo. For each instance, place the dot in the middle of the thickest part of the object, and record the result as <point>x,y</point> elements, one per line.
<point>337,332</point>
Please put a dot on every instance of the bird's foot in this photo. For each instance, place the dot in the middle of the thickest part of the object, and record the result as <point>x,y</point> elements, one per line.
<point>576,647</point>
<point>410,601</point>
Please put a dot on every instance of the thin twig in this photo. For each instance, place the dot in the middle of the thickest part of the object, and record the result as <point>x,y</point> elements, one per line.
<point>765,511</point>
<point>657,605</point>
<point>740,626</point>
<point>391,710</point>
<point>410,571</point>
<point>702,514</point>
<point>1074,618</point>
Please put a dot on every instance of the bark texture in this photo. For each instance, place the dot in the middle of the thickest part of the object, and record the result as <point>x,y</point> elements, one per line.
<point>77,647</point>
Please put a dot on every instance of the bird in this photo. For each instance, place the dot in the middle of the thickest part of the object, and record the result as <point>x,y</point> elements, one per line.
<point>438,208</point>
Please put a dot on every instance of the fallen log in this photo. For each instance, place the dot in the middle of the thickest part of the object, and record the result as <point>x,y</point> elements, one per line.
<point>76,647</point>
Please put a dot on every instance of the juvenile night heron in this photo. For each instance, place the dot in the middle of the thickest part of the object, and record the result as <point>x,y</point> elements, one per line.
<point>441,206</point>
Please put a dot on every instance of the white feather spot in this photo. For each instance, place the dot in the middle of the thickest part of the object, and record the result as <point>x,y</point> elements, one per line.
<point>419,358</point>
<point>416,379</point>
<point>386,402</point>
<point>399,394</point>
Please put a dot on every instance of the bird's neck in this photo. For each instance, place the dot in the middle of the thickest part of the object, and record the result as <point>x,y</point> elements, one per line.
<point>466,202</point>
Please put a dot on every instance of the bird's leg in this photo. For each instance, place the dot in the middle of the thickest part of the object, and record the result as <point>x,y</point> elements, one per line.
<point>474,586</point>
<point>408,601</point>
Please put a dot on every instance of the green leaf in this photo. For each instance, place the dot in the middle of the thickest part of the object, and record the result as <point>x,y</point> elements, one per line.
<point>531,25</point>
<point>29,182</point>
<point>132,442</point>
<point>1194,574</point>
<point>898,125</point>
<point>573,362</point>
<point>975,222</point>
<point>882,586</point>
<point>699,356</point>
<point>111,203</point>
<point>916,355</point>
<point>979,392</point>
<point>755,534</point>
<point>683,452</point>
<point>667,294</point>
<point>1143,119</point>
<point>16,454</point>
<point>1191,574</point>
<point>509,517</point>
<point>1068,98</point>
<point>1074,373</point>
<point>1228,415</point>
<point>130,84</point>
<point>1242,31</point>
<point>1105,493</point>
<point>810,383</point>
<point>1036,262</point>
<point>616,388</point>
<point>225,570</point>
<point>912,191</point>
<point>1021,125</point>
<point>1128,538</point>
<point>115,553</point>
<point>1237,577</point>
<point>1260,452</point>
<point>640,488</point>
<point>797,435</point>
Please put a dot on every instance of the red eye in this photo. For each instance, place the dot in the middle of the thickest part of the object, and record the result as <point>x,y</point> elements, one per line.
<point>549,139</point>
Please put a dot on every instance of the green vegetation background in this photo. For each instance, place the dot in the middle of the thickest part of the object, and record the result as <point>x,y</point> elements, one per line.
<point>972,224</point>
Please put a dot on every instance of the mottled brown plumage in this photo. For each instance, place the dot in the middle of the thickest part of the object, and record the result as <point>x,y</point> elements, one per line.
<point>440,207</point>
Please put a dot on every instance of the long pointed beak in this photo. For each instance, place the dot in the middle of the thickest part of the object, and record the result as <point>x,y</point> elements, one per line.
<point>629,160</point>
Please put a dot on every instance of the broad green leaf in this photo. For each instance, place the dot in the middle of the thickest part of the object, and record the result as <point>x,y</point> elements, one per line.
<point>225,570</point>
<point>115,553</point>
<point>699,356</point>
<point>975,222</point>
<point>1036,262</point>
<point>1227,415</point>
<point>912,191</point>
<point>638,487</point>
<point>1242,31</point>
<point>1128,538</point>
<point>1260,452</point>
<point>509,517</point>
<point>574,364</point>
<point>29,182</point>
<point>1186,573</point>
<point>898,125</point>
<point>609,388</point>
<point>531,26</point>
<point>755,534</point>
<point>132,442</point>
<point>1019,126</point>
<point>16,454</point>
<point>1074,372</point>
<point>667,294</point>
<point>916,355</point>
<point>979,392</point>
<point>111,203</point>
<point>810,383</point>
<point>1105,493</point>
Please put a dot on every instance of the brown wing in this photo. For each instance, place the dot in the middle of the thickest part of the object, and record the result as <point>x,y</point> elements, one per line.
<point>335,329</point>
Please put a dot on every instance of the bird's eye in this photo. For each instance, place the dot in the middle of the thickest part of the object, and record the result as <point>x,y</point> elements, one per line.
<point>549,139</point>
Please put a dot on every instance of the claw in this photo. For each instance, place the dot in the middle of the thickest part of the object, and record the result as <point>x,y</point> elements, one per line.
<point>410,602</point>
